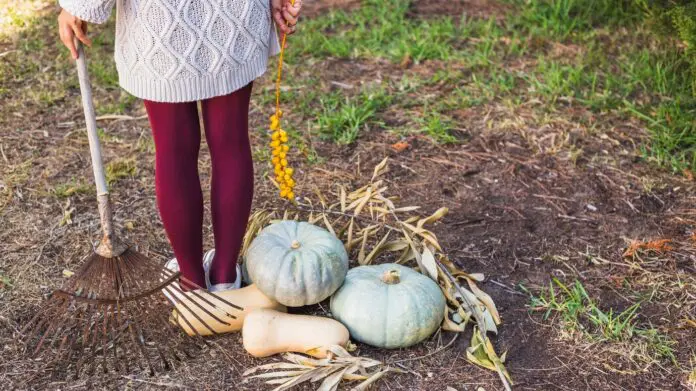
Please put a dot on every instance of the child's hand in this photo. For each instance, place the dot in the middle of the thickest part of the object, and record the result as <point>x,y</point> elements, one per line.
<point>69,27</point>
<point>286,14</point>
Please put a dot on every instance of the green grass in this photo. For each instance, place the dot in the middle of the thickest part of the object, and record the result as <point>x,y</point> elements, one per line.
<point>381,29</point>
<point>438,126</point>
<point>560,19</point>
<point>577,312</point>
<point>72,187</point>
<point>120,169</point>
<point>621,66</point>
<point>5,283</point>
<point>342,118</point>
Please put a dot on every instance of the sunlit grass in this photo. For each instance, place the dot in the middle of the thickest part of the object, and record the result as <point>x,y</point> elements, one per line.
<point>17,15</point>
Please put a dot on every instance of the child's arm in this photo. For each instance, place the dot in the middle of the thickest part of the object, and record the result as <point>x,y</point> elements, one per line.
<point>72,20</point>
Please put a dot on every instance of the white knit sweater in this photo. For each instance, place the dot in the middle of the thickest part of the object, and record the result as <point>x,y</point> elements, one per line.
<point>185,50</point>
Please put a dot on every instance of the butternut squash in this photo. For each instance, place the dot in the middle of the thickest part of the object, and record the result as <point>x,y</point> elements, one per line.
<point>250,298</point>
<point>267,332</point>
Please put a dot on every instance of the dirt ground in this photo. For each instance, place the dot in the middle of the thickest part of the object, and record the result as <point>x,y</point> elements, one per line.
<point>524,207</point>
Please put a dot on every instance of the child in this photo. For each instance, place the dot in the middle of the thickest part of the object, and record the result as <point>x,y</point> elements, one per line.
<point>172,54</point>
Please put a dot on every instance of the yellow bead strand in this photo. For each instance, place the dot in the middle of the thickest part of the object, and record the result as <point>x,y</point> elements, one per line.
<point>279,139</point>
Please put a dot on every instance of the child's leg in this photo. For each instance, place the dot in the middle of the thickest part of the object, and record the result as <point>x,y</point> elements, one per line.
<point>177,135</point>
<point>227,132</point>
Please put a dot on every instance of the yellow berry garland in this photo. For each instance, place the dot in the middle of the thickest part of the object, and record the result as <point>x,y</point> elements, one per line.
<point>279,139</point>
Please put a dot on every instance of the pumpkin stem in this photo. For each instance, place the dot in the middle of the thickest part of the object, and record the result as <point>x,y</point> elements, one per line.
<point>295,245</point>
<point>391,277</point>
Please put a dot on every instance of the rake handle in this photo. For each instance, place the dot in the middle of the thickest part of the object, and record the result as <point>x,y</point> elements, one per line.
<point>110,246</point>
<point>91,122</point>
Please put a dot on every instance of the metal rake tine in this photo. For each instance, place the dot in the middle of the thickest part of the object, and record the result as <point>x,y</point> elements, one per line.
<point>36,330</point>
<point>202,308</point>
<point>196,294</point>
<point>39,316</point>
<point>104,338</point>
<point>217,297</point>
<point>56,334</point>
<point>158,314</point>
<point>118,316</point>
<point>191,312</point>
<point>89,315</point>
<point>43,338</point>
<point>173,351</point>
<point>141,340</point>
<point>159,349</point>
<point>57,311</point>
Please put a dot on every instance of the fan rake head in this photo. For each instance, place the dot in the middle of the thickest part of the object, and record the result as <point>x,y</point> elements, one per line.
<point>113,315</point>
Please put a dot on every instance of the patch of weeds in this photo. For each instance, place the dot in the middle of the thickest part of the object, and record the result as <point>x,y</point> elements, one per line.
<point>106,137</point>
<point>559,19</point>
<point>145,144</point>
<point>438,126</point>
<point>45,97</point>
<point>5,282</point>
<point>569,303</point>
<point>67,189</point>
<point>121,169</point>
<point>341,118</point>
<point>381,28</point>
<point>579,313</point>
<point>552,80</point>
<point>673,135</point>
<point>261,154</point>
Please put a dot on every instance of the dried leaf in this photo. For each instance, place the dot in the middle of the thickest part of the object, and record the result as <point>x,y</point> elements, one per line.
<point>429,264</point>
<point>415,251</point>
<point>406,256</point>
<point>406,209</point>
<point>430,238</point>
<point>322,200</point>
<point>328,224</point>
<point>339,351</point>
<point>331,382</point>
<point>479,277</point>
<point>659,246</point>
<point>349,241</point>
<point>378,249</point>
<point>450,325</point>
<point>386,201</point>
<point>366,383</point>
<point>363,201</point>
<point>279,374</point>
<point>440,213</point>
<point>400,146</point>
<point>485,299</point>
<point>343,199</point>
<point>361,254</point>
<point>380,169</point>
<point>395,245</point>
<point>481,353</point>
<point>278,365</point>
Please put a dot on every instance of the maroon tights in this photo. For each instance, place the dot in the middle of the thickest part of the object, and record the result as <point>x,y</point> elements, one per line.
<point>177,135</point>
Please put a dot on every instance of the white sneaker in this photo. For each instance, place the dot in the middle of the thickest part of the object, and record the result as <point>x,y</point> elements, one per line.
<point>173,265</point>
<point>225,286</point>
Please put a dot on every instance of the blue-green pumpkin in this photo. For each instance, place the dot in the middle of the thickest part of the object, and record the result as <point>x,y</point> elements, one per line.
<point>296,263</point>
<point>389,305</point>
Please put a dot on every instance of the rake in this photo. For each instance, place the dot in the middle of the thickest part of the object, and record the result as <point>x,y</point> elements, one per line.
<point>113,314</point>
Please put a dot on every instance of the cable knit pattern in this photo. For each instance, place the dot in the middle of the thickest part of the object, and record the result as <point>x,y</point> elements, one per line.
<point>185,50</point>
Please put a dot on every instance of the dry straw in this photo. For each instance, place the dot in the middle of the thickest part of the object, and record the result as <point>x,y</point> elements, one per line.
<point>373,228</point>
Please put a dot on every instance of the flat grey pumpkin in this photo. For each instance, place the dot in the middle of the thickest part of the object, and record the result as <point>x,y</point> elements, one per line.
<point>389,305</point>
<point>296,263</point>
